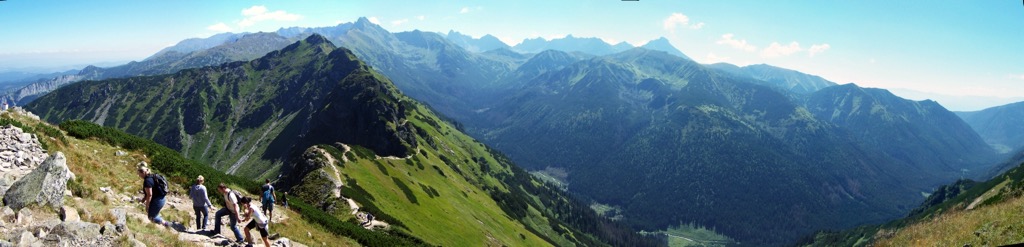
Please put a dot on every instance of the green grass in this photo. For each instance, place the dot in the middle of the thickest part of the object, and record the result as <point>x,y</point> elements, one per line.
<point>97,171</point>
<point>691,235</point>
<point>436,204</point>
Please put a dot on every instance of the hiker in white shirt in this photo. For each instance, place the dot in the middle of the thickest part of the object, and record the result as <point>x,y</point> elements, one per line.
<point>259,221</point>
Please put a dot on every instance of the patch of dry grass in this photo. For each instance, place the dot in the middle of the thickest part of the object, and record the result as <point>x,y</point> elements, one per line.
<point>995,225</point>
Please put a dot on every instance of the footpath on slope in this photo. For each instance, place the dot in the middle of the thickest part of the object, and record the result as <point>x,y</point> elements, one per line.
<point>363,217</point>
<point>44,204</point>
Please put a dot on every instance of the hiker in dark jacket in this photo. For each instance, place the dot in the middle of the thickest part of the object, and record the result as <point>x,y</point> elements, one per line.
<point>200,203</point>
<point>154,198</point>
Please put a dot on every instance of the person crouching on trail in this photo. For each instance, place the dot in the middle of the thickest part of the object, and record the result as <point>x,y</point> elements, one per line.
<point>259,221</point>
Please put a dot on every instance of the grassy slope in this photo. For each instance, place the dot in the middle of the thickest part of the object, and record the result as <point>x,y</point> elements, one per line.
<point>460,213</point>
<point>993,220</point>
<point>95,165</point>
<point>994,225</point>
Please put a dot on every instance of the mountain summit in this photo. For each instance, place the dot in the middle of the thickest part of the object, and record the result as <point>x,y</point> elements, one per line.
<point>662,44</point>
<point>285,95</point>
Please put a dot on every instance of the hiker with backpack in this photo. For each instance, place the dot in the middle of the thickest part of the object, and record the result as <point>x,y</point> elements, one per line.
<point>154,187</point>
<point>268,199</point>
<point>231,199</point>
<point>259,221</point>
<point>200,203</point>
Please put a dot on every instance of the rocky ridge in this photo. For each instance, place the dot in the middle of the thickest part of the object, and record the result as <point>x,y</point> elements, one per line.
<point>39,207</point>
<point>20,153</point>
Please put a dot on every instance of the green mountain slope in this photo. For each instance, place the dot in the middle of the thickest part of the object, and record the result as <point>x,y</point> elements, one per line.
<point>784,79</point>
<point>652,134</point>
<point>1000,126</point>
<point>965,213</point>
<point>271,115</point>
<point>233,118</point>
<point>921,133</point>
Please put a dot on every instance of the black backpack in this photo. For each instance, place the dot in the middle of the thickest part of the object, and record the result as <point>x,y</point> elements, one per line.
<point>159,184</point>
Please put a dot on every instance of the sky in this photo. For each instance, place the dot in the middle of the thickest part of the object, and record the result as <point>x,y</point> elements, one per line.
<point>967,55</point>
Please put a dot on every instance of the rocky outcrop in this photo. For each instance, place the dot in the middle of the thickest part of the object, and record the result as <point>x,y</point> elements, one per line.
<point>317,184</point>
<point>20,152</point>
<point>45,185</point>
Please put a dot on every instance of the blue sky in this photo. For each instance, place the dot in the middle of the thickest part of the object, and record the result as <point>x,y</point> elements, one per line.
<point>965,54</point>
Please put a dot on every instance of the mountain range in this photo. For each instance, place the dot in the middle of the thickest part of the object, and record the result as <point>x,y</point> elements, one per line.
<point>1000,126</point>
<point>273,115</point>
<point>190,53</point>
<point>760,154</point>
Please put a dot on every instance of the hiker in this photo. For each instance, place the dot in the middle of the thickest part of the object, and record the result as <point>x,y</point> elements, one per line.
<point>259,221</point>
<point>154,197</point>
<point>284,200</point>
<point>230,209</point>
<point>200,203</point>
<point>268,199</point>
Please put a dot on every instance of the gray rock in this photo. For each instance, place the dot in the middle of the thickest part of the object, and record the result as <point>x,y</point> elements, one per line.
<point>41,229</point>
<point>137,243</point>
<point>69,214</point>
<point>7,215</point>
<point>4,243</point>
<point>108,229</point>
<point>283,242</point>
<point>45,185</point>
<point>77,230</point>
<point>120,153</point>
<point>24,217</point>
<point>26,239</point>
<point>120,218</point>
<point>51,240</point>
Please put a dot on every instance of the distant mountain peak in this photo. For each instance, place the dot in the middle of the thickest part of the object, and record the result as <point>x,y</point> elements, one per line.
<point>316,39</point>
<point>663,44</point>
<point>484,43</point>
<point>363,20</point>
<point>364,23</point>
<point>570,43</point>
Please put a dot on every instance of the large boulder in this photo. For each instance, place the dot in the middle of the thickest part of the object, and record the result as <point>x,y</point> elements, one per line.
<point>80,231</point>
<point>45,185</point>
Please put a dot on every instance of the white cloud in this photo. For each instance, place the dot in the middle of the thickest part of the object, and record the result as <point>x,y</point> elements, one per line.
<point>815,49</point>
<point>679,20</point>
<point>727,39</point>
<point>464,10</point>
<point>219,27</point>
<point>872,61</point>
<point>712,58</point>
<point>260,13</point>
<point>422,17</point>
<point>1017,77</point>
<point>374,20</point>
<point>399,22</point>
<point>778,50</point>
